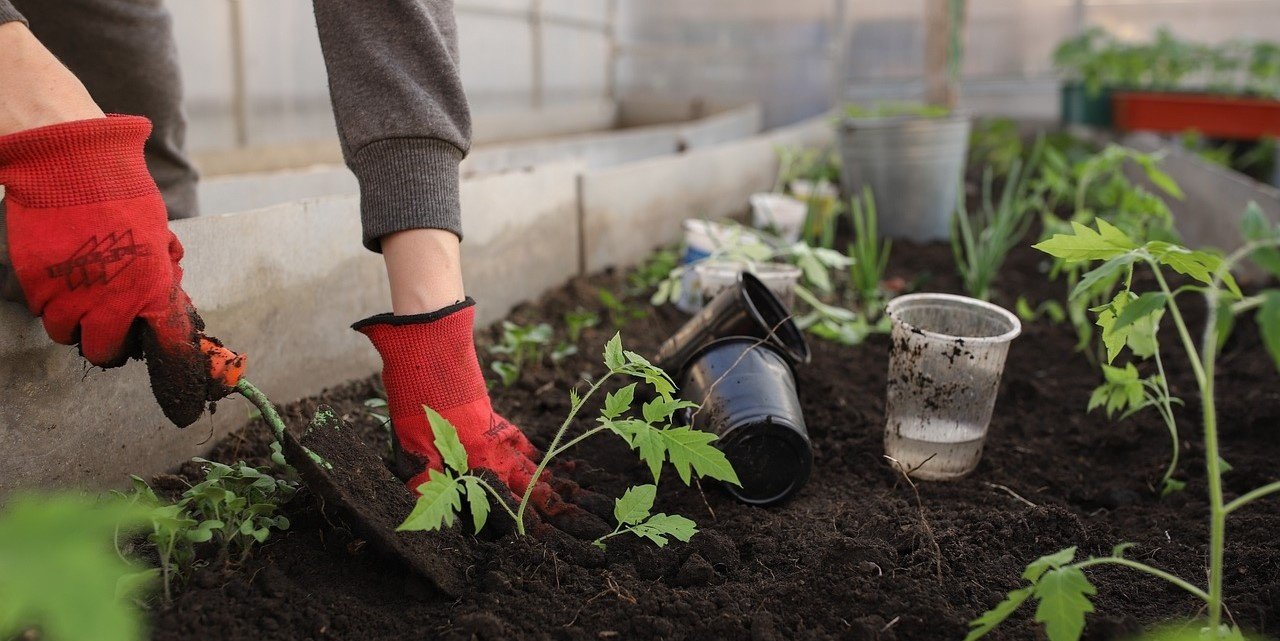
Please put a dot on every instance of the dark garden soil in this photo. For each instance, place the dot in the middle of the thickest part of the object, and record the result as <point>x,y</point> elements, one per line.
<point>853,556</point>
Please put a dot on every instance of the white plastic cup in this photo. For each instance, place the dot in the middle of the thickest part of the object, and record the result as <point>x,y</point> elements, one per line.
<point>702,238</point>
<point>945,364</point>
<point>714,276</point>
<point>779,214</point>
<point>806,189</point>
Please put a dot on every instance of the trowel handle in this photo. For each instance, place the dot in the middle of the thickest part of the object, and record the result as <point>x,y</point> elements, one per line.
<point>225,366</point>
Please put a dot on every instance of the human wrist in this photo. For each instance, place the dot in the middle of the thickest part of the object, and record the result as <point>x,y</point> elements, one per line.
<point>39,90</point>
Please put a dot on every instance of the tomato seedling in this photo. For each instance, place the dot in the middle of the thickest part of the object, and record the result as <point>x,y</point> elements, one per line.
<point>653,434</point>
<point>1057,581</point>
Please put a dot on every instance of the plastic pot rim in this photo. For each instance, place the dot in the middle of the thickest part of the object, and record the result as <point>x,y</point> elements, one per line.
<point>1015,323</point>
<point>792,350</point>
<point>746,267</point>
<point>884,122</point>
<point>726,340</point>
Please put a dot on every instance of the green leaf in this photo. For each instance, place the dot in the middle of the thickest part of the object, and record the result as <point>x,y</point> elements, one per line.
<point>477,501</point>
<point>1064,600</point>
<point>1147,303</point>
<point>1102,273</point>
<point>446,440</point>
<point>1057,559</point>
<point>617,403</point>
<point>980,626</point>
<point>1164,181</point>
<point>1256,227</point>
<point>613,358</point>
<point>436,508</point>
<point>1172,485</point>
<point>660,526</point>
<point>58,572</point>
<point>688,449</point>
<point>660,410</point>
<point>635,505</point>
<point>1086,244</point>
<point>1199,265</point>
<point>1268,320</point>
<point>652,449</point>
<point>1120,548</point>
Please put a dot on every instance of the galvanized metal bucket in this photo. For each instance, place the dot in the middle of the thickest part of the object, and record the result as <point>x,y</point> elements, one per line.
<point>913,166</point>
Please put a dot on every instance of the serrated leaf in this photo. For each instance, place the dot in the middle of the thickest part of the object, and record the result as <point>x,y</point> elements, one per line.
<point>652,449</point>
<point>690,449</point>
<point>1063,594</point>
<point>613,358</point>
<point>1107,270</point>
<point>980,626</point>
<point>660,410</point>
<point>617,403</point>
<point>1197,264</point>
<point>437,506</point>
<point>446,441</point>
<point>477,502</point>
<point>1086,244</point>
<point>1268,320</point>
<point>660,526</point>
<point>1164,181</point>
<point>1057,559</point>
<point>1147,303</point>
<point>635,504</point>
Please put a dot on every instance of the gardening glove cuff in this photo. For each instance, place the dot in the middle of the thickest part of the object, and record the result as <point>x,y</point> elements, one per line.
<point>89,243</point>
<point>430,360</point>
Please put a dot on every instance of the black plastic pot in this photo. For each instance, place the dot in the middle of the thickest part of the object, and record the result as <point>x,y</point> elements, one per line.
<point>748,397</point>
<point>746,309</point>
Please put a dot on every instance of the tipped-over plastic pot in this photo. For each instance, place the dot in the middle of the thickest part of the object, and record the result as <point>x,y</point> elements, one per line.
<point>747,308</point>
<point>748,396</point>
<point>944,371</point>
<point>714,275</point>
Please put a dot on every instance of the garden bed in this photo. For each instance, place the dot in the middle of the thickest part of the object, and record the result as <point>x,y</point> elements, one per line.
<point>853,556</point>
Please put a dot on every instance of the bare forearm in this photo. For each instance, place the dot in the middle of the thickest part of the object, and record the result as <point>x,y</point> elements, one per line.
<point>35,89</point>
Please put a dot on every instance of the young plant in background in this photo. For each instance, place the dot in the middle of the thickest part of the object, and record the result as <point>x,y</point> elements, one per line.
<point>868,255</point>
<point>245,500</point>
<point>522,344</point>
<point>653,270</point>
<point>579,320</point>
<point>1057,581</point>
<point>981,244</point>
<point>59,579</point>
<point>620,312</point>
<point>995,143</point>
<point>652,434</point>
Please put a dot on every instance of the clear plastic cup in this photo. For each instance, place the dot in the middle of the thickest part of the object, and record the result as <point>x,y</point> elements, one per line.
<point>714,276</point>
<point>703,238</point>
<point>944,371</point>
<point>779,214</point>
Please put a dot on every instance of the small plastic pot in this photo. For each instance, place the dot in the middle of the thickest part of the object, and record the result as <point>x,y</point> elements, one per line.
<point>778,214</point>
<point>746,308</point>
<point>748,396</point>
<point>714,276</point>
<point>944,371</point>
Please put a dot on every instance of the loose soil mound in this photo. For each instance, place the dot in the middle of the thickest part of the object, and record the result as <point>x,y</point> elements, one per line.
<point>853,556</point>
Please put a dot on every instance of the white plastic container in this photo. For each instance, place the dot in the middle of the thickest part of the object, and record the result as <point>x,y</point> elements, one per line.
<point>714,276</point>
<point>778,214</point>
<point>703,238</point>
<point>944,371</point>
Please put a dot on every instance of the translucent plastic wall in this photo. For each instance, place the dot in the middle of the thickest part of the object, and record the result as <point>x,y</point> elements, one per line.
<point>254,75</point>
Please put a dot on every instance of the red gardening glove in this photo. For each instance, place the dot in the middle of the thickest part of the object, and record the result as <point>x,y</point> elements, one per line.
<point>430,359</point>
<point>90,244</point>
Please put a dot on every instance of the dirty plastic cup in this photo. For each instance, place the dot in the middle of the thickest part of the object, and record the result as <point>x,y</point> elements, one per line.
<point>747,308</point>
<point>748,396</point>
<point>944,370</point>
<point>779,214</point>
<point>714,276</point>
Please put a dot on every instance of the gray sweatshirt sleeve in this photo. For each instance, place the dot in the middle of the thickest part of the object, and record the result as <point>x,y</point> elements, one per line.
<point>8,13</point>
<point>402,116</point>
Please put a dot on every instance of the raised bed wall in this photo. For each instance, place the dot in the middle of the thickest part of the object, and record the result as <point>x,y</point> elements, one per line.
<point>283,283</point>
